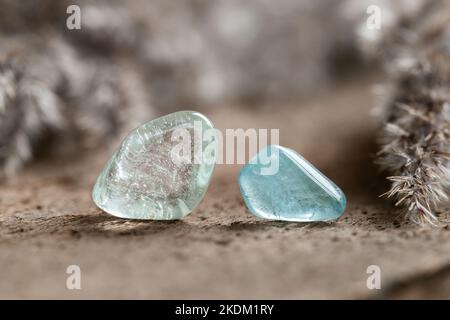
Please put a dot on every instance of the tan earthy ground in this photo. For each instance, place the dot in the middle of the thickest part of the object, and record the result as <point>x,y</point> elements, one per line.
<point>48,221</point>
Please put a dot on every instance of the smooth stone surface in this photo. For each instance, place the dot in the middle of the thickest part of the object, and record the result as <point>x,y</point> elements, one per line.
<point>141,180</point>
<point>296,192</point>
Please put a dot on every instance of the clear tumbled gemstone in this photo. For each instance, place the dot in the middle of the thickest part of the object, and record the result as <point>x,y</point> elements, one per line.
<point>149,177</point>
<point>279,184</point>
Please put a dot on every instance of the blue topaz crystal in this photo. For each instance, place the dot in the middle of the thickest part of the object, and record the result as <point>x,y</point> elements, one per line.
<point>279,184</point>
<point>148,177</point>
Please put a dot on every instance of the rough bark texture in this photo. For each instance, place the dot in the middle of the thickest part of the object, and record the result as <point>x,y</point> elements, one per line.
<point>48,221</point>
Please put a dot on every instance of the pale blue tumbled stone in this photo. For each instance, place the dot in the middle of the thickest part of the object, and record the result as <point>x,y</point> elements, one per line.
<point>145,178</point>
<point>279,184</point>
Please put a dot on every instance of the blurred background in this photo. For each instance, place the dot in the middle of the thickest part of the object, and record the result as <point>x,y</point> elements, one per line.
<point>309,68</point>
<point>131,61</point>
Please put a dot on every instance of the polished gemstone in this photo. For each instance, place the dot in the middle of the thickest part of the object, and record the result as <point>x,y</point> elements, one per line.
<point>279,184</point>
<point>161,170</point>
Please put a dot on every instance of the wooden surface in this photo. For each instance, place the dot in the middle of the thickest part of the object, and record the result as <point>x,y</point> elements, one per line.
<point>48,221</point>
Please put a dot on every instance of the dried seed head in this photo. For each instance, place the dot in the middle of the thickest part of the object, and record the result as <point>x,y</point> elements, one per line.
<point>415,141</point>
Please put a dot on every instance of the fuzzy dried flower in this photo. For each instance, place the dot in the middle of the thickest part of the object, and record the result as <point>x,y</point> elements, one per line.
<point>415,141</point>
